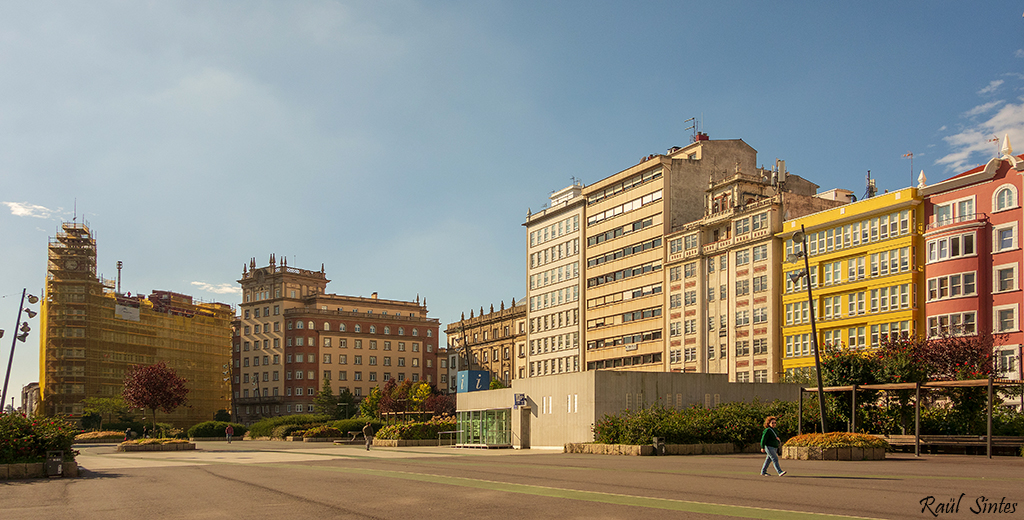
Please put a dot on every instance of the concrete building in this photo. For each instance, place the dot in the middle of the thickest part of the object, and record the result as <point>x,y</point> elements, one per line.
<point>563,408</point>
<point>30,399</point>
<point>973,257</point>
<point>554,284</point>
<point>723,274</point>
<point>866,273</point>
<point>494,341</point>
<point>628,217</point>
<point>93,335</point>
<point>294,336</point>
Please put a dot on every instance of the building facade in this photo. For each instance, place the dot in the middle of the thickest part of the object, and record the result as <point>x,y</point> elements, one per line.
<point>723,274</point>
<point>294,336</point>
<point>491,341</point>
<point>973,258</point>
<point>554,272</point>
<point>93,335</point>
<point>866,274</point>
<point>628,216</point>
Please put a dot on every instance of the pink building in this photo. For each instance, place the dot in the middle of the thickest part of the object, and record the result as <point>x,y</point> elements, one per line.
<point>973,256</point>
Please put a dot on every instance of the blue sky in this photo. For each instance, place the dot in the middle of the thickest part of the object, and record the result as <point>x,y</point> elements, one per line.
<point>400,143</point>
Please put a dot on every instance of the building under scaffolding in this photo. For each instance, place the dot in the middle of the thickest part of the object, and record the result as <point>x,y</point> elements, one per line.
<point>94,335</point>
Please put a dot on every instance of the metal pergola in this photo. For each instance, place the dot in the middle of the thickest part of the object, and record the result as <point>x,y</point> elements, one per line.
<point>991,383</point>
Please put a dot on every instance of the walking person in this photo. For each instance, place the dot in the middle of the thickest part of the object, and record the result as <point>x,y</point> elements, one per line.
<point>367,434</point>
<point>770,443</point>
<point>228,432</point>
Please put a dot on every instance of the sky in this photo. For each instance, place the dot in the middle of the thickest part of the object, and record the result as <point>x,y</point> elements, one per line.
<point>400,143</point>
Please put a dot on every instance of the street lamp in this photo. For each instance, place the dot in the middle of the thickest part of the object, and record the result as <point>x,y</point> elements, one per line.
<point>801,236</point>
<point>24,328</point>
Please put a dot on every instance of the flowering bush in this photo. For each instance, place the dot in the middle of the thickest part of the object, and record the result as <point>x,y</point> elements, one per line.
<point>24,439</point>
<point>838,440</point>
<point>418,430</point>
<point>322,432</point>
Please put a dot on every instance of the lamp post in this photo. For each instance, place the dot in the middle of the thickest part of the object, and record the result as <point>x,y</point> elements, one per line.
<point>24,328</point>
<point>801,236</point>
<point>259,397</point>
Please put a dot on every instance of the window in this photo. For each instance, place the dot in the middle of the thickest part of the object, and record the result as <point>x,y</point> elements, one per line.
<point>760,283</point>
<point>742,348</point>
<point>690,242</point>
<point>675,301</point>
<point>690,297</point>
<point>953,246</point>
<point>955,211</point>
<point>743,257</point>
<point>690,270</point>
<point>675,273</point>
<point>1006,363</point>
<point>1005,278</point>
<point>760,252</point>
<point>1004,318</point>
<point>1004,238</point>
<point>962,323</point>
<point>759,221</point>
<point>1005,198</point>
<point>952,286</point>
<point>743,226</point>
<point>761,346</point>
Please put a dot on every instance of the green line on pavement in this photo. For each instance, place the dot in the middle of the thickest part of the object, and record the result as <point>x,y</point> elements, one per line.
<point>593,496</point>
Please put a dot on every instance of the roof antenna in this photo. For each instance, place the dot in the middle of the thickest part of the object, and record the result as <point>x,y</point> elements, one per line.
<point>911,155</point>
<point>75,212</point>
<point>872,190</point>
<point>693,126</point>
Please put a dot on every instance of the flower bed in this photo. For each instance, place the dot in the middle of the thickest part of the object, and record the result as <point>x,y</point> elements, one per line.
<point>835,446</point>
<point>156,445</point>
<point>105,436</point>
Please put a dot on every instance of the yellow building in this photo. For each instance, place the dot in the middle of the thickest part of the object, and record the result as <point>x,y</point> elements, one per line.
<point>866,274</point>
<point>93,335</point>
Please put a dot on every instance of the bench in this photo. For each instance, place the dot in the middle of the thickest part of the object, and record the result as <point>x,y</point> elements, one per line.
<point>969,444</point>
<point>355,434</point>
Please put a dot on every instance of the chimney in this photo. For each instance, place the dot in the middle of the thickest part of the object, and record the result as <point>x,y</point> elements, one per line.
<point>374,296</point>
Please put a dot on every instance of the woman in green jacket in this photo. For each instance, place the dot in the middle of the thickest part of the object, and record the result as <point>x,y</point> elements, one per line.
<point>770,443</point>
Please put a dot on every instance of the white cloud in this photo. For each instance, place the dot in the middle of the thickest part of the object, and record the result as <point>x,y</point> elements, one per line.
<point>992,86</point>
<point>24,209</point>
<point>972,144</point>
<point>981,109</point>
<point>1019,53</point>
<point>224,288</point>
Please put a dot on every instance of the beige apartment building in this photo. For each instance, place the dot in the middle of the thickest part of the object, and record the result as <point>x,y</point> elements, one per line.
<point>554,273</point>
<point>724,276</point>
<point>628,217</point>
<point>494,341</point>
<point>293,336</point>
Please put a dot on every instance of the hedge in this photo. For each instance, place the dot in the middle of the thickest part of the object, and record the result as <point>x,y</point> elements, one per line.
<point>266,427</point>
<point>215,429</point>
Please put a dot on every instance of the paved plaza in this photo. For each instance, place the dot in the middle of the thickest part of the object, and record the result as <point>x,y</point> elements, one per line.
<point>255,480</point>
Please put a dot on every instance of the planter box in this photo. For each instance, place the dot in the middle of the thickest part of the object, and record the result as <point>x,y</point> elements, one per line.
<point>34,470</point>
<point>109,440</point>
<point>816,453</point>
<point>206,439</point>
<point>156,447</point>
<point>321,439</point>
<point>643,450</point>
<point>398,443</point>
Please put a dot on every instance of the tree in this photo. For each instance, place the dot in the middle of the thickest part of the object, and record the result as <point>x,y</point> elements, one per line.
<point>325,403</point>
<point>440,404</point>
<point>105,405</point>
<point>842,366</point>
<point>348,405</point>
<point>369,407</point>
<point>222,415</point>
<point>154,387</point>
<point>496,384</point>
<point>418,393</point>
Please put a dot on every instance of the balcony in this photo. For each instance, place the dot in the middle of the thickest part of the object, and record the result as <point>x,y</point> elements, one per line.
<point>959,219</point>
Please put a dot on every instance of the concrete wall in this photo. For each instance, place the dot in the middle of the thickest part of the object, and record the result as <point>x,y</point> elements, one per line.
<point>563,408</point>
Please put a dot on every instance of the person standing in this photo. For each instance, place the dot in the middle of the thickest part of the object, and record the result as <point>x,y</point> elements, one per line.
<point>770,444</point>
<point>367,434</point>
<point>228,432</point>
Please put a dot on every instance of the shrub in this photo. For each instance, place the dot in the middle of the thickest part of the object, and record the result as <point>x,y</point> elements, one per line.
<point>287,430</point>
<point>90,436</point>
<point>418,430</point>
<point>24,439</point>
<point>216,429</point>
<point>265,427</point>
<point>838,440</point>
<point>739,423</point>
<point>322,432</point>
<point>355,424</point>
<point>135,426</point>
